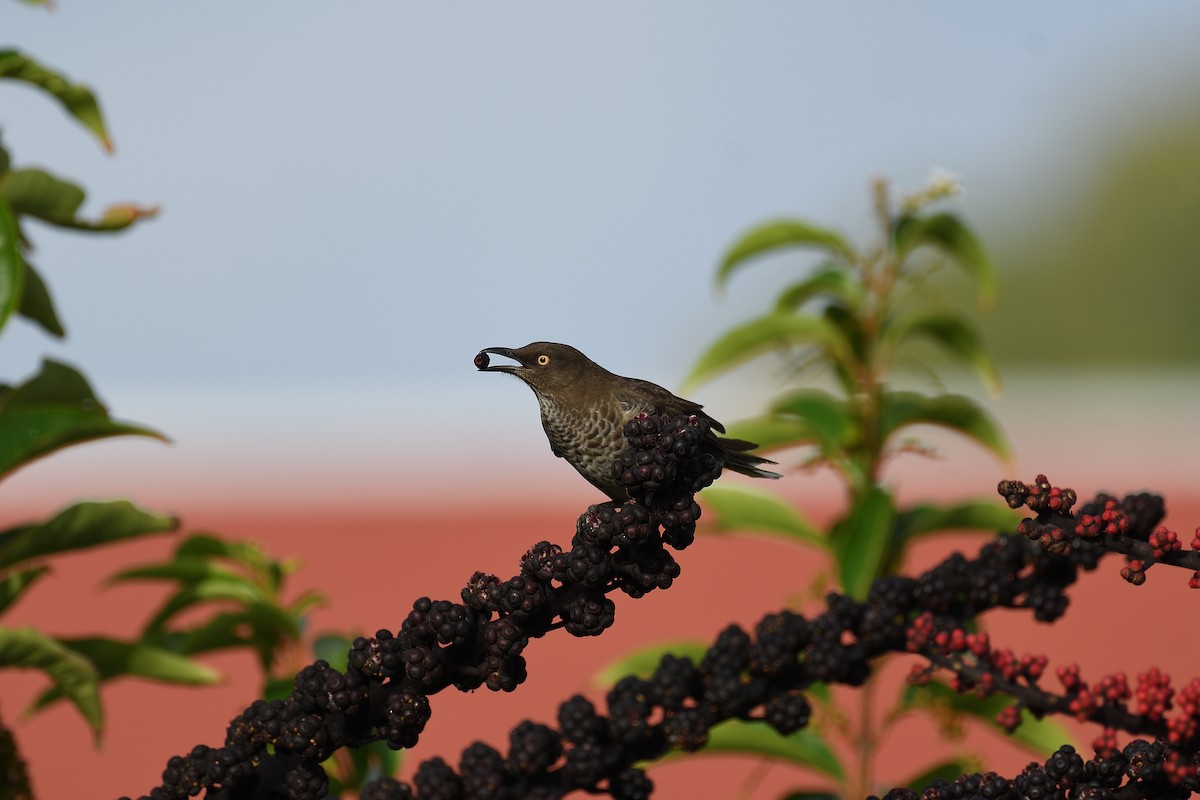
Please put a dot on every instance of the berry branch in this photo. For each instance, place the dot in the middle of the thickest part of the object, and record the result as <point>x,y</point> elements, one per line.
<point>275,748</point>
<point>764,677</point>
<point>1121,527</point>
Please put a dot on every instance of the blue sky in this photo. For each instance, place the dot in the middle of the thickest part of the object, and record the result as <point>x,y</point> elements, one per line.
<point>358,197</point>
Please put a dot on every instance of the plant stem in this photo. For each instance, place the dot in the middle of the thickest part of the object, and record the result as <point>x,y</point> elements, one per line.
<point>866,739</point>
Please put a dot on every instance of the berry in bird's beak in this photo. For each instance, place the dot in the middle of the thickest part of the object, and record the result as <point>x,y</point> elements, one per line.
<point>482,360</point>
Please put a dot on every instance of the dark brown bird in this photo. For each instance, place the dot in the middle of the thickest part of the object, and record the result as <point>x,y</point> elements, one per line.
<point>585,408</point>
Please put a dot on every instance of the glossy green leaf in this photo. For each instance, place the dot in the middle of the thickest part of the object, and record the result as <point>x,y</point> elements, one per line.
<point>948,771</point>
<point>78,527</point>
<point>12,272</point>
<point>778,332</point>
<point>1041,737</point>
<point>829,417</point>
<point>37,193</point>
<point>29,434</point>
<point>737,508</point>
<point>114,659</point>
<point>956,412</point>
<point>77,99</point>
<point>946,233</point>
<point>772,432</point>
<point>70,672</point>
<point>804,748</point>
<point>778,234</point>
<point>862,542</point>
<point>832,281</point>
<point>16,583</point>
<point>956,336</point>
<point>36,305</point>
<point>54,409</point>
<point>982,516</point>
<point>644,660</point>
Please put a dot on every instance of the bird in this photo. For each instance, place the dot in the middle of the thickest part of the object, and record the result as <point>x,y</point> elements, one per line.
<point>584,408</point>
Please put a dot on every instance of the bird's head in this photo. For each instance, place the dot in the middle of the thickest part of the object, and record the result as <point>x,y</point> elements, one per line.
<point>547,367</point>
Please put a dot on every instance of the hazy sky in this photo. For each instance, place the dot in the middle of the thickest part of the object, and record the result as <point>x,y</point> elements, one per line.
<point>358,197</point>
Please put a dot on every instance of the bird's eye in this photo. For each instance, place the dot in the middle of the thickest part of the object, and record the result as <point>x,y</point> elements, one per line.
<point>543,360</point>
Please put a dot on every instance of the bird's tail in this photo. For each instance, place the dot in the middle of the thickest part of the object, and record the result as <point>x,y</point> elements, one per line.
<point>739,459</point>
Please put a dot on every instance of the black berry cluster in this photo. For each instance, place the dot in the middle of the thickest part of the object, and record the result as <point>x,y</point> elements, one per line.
<point>275,749</point>
<point>1142,771</point>
<point>762,676</point>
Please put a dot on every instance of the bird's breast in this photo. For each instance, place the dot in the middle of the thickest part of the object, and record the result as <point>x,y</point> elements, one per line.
<point>590,437</point>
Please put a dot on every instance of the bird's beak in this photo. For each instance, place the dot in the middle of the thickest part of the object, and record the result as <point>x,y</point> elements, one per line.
<point>483,363</point>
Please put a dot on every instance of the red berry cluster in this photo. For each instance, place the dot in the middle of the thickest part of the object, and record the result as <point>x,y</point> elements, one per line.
<point>1039,496</point>
<point>976,666</point>
<point>1129,526</point>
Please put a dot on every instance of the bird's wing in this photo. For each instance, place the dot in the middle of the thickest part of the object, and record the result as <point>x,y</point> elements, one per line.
<point>638,392</point>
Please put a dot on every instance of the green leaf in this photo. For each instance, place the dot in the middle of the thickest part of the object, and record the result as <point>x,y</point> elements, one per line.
<point>37,193</point>
<point>948,771</point>
<point>235,589</point>
<point>643,661</point>
<point>183,569</point>
<point>70,672</point>
<point>114,659</point>
<point>741,509</point>
<point>980,515</point>
<point>77,99</point>
<point>56,383</point>
<point>956,412</point>
<point>862,541</point>
<point>78,527</point>
<point>956,336</point>
<point>114,218</point>
<point>246,554</point>
<point>827,416</point>
<point>781,233</point>
<point>945,232</point>
<point>14,584</point>
<point>771,432</point>
<point>779,332</point>
<point>1041,737</point>
<point>804,748</point>
<point>36,305</point>
<point>12,273</point>
<point>833,281</point>
<point>54,409</point>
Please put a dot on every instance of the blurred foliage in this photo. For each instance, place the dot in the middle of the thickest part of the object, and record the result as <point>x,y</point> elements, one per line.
<point>1117,275</point>
<point>223,594</point>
